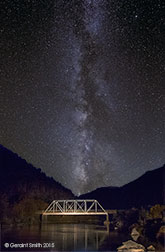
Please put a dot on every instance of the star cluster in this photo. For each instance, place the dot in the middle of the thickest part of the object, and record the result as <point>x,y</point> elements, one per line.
<point>81,88</point>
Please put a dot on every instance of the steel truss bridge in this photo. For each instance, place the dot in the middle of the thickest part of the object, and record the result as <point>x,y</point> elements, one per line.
<point>75,207</point>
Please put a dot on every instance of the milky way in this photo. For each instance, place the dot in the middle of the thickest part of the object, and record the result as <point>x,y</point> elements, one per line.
<point>81,88</point>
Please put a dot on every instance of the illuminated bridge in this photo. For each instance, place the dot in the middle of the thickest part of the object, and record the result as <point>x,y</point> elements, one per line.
<point>75,207</point>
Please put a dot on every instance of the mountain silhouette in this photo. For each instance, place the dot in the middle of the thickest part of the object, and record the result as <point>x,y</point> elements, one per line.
<point>18,179</point>
<point>147,190</point>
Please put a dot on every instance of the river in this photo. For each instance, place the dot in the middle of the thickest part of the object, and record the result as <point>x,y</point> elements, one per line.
<point>60,237</point>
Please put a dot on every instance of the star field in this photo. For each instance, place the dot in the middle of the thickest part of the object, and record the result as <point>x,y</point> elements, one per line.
<point>82,88</point>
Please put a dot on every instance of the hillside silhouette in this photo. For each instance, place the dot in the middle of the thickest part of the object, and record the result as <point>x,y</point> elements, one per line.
<point>25,189</point>
<point>22,182</point>
<point>147,190</point>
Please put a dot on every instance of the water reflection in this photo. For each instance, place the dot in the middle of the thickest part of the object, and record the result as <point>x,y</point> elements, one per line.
<point>57,237</point>
<point>76,237</point>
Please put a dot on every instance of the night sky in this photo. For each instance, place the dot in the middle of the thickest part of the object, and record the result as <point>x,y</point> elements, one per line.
<point>81,88</point>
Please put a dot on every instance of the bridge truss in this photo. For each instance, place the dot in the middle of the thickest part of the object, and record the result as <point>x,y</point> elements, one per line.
<point>75,207</point>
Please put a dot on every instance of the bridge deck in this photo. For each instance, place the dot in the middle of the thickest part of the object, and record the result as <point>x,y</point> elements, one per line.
<point>75,213</point>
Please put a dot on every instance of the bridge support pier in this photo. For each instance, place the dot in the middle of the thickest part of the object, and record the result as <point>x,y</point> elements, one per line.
<point>107,219</point>
<point>107,222</point>
<point>44,218</point>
